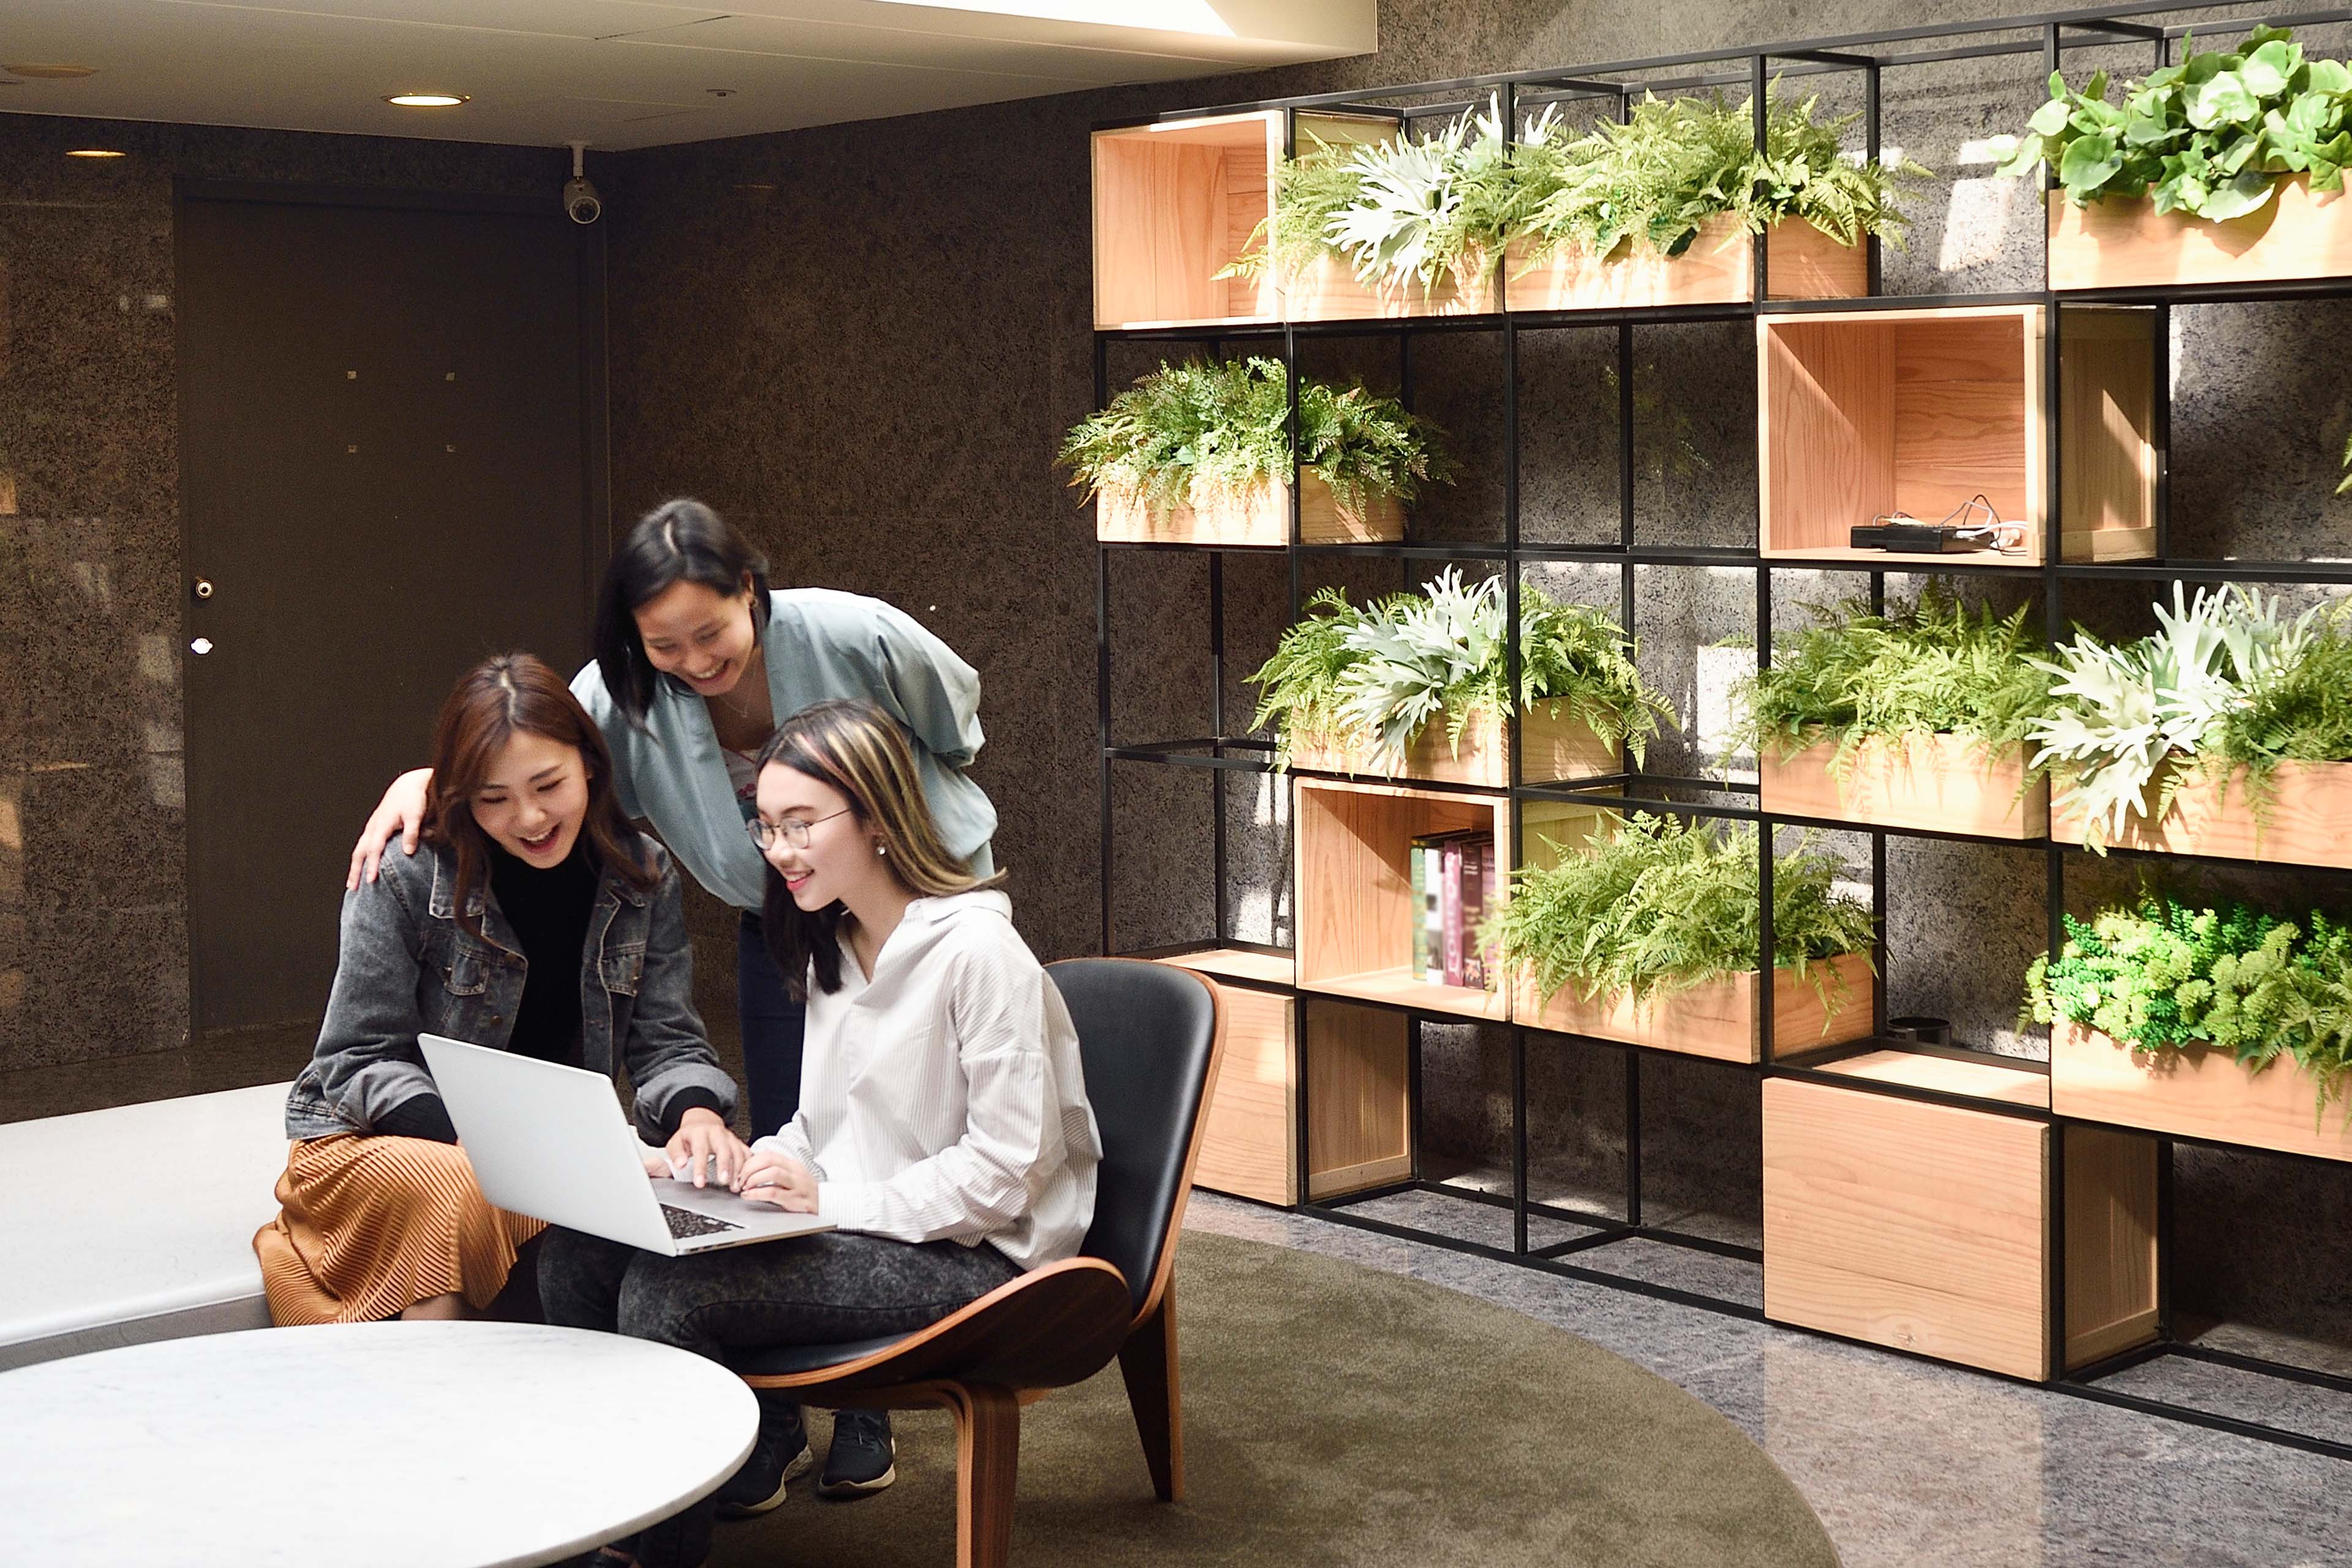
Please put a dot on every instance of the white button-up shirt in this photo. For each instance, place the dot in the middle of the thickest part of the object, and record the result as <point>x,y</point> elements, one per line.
<point>943,1098</point>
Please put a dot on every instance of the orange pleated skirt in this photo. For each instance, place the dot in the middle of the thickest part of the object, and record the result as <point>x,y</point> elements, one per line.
<point>368,1226</point>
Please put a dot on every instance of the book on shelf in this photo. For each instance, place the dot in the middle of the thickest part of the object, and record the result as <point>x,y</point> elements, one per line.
<point>1478,965</point>
<point>1429,918</point>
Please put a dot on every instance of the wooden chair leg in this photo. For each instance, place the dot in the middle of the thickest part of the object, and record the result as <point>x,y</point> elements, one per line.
<point>1148,1362</point>
<point>988,1464</point>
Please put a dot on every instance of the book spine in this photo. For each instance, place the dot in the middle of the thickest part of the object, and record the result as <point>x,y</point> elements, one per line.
<point>1490,876</point>
<point>1429,935</point>
<point>1449,884</point>
<point>1420,905</point>
<point>1474,855</point>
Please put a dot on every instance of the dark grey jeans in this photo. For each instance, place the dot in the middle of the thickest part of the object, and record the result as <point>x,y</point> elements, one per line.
<point>808,1290</point>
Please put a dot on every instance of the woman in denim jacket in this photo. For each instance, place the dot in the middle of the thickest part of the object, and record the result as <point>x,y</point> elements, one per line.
<point>539,923</point>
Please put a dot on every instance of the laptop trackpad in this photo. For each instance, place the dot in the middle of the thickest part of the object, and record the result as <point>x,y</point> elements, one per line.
<point>717,1202</point>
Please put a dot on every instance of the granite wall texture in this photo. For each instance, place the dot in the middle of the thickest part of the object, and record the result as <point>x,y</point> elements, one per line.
<point>862,343</point>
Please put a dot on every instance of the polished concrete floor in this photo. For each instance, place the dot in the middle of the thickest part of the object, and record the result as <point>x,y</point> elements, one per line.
<point>1909,1463</point>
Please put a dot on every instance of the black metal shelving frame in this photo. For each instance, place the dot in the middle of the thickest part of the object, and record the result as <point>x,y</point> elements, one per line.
<point>1220,753</point>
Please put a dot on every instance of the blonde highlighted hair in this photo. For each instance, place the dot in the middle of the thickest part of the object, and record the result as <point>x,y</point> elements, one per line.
<point>860,750</point>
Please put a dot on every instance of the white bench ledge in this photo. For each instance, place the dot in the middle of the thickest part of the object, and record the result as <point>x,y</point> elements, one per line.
<point>136,1222</point>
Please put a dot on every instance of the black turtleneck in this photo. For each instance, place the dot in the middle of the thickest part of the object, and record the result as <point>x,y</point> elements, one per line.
<point>548,912</point>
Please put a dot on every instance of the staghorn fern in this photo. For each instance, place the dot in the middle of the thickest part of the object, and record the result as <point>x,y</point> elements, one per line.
<point>1384,673</point>
<point>2125,718</point>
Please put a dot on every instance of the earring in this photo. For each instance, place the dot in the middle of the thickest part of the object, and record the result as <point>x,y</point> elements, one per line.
<point>881,849</point>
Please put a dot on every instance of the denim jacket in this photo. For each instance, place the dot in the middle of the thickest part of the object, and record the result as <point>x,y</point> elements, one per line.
<point>409,968</point>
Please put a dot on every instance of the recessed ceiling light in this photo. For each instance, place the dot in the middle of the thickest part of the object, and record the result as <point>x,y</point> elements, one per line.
<point>427,99</point>
<point>50,72</point>
<point>95,153</point>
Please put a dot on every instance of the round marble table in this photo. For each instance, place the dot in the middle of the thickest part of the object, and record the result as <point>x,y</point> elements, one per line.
<point>405,1445</point>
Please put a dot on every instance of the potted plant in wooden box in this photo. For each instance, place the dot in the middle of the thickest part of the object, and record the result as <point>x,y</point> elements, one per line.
<point>2227,731</point>
<point>1414,685</point>
<point>1200,453</point>
<point>2229,1024</point>
<point>1401,225</point>
<point>1651,935</point>
<point>1915,718</point>
<point>2226,167</point>
<point>1663,208</point>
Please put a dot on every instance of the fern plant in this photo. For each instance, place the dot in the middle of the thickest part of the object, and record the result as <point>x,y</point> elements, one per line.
<point>1929,668</point>
<point>1376,677</point>
<point>2124,719</point>
<point>1186,431</point>
<point>1677,163</point>
<point>1663,905</point>
<point>2166,975</point>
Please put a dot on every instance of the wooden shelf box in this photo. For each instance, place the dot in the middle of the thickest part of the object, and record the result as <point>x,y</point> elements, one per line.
<point>1176,202</point>
<point>2128,244</point>
<point>1357,920</point>
<point>1555,747</point>
<point>1943,784</point>
<point>2306,821</point>
<point>1358,1076</point>
<point>1719,267</point>
<point>1865,413</point>
<point>1927,1227</point>
<point>1258,516</point>
<point>1718,1020</point>
<point>2200,1093</point>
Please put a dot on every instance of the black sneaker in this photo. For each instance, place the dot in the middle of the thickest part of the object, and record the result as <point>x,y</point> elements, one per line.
<point>862,1460</point>
<point>776,1457</point>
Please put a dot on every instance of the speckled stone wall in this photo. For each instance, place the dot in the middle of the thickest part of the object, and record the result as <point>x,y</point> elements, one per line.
<point>93,900</point>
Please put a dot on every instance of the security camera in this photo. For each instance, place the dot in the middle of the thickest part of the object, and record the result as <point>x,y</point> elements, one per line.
<point>581,205</point>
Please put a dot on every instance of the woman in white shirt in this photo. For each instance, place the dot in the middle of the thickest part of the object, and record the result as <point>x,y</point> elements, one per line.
<point>943,1125</point>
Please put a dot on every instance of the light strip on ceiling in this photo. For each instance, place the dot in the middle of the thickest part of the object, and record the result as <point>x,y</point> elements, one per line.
<point>1197,16</point>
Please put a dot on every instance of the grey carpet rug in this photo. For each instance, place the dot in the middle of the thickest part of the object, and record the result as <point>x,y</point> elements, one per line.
<point>1335,1415</point>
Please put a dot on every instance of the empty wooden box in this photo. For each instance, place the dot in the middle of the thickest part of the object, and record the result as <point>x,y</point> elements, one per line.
<point>1926,1226</point>
<point>1862,414</point>
<point>1359,1074</point>
<point>1176,202</point>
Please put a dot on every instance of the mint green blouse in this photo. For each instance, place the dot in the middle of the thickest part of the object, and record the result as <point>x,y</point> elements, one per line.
<point>819,644</point>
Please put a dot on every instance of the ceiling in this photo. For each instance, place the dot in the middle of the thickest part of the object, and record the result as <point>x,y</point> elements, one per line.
<point>626,73</point>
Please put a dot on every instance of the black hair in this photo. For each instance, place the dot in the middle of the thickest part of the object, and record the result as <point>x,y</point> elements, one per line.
<point>679,541</point>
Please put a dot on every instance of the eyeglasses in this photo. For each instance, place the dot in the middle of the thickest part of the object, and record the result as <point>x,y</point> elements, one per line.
<point>792,829</point>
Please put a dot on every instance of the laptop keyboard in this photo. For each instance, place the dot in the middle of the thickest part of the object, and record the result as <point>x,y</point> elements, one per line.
<point>684,1223</point>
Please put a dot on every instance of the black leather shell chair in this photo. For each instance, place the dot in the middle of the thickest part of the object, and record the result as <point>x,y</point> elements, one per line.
<point>1150,1036</point>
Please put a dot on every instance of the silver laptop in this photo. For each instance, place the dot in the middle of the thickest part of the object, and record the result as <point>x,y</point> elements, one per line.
<point>550,1142</point>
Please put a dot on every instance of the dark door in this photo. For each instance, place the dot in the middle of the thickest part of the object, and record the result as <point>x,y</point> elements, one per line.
<point>390,467</point>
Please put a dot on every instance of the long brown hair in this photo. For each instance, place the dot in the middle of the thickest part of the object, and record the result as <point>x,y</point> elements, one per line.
<point>858,750</point>
<point>497,700</point>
